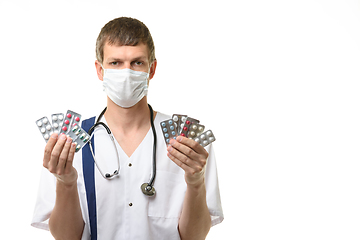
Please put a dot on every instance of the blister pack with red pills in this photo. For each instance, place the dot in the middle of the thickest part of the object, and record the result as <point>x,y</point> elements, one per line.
<point>182,125</point>
<point>68,123</point>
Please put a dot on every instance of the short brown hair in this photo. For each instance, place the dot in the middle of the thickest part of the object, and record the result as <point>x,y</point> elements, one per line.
<point>124,31</point>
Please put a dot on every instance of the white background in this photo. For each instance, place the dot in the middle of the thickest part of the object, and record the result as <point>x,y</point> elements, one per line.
<point>277,82</point>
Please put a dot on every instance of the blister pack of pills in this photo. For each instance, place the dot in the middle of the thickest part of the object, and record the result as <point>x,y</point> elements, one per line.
<point>182,125</point>
<point>67,124</point>
<point>45,127</point>
<point>179,120</point>
<point>57,120</point>
<point>70,120</point>
<point>188,124</point>
<point>79,136</point>
<point>169,130</point>
<point>205,138</point>
<point>194,130</point>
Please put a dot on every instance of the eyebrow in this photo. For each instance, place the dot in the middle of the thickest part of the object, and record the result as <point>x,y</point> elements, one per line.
<point>111,59</point>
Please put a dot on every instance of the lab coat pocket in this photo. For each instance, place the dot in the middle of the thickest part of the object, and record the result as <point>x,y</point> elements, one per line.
<point>169,197</point>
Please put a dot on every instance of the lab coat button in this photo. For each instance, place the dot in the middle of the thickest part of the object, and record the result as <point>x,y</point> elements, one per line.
<point>130,164</point>
<point>130,204</point>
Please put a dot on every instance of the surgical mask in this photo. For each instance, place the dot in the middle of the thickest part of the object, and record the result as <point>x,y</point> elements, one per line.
<point>125,87</point>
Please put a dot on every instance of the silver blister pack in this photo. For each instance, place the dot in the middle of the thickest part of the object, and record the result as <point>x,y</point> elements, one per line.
<point>205,138</point>
<point>57,120</point>
<point>178,119</point>
<point>195,130</point>
<point>169,130</point>
<point>192,126</point>
<point>79,136</point>
<point>45,127</point>
<point>70,119</point>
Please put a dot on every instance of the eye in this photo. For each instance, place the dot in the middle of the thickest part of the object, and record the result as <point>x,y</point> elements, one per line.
<point>114,63</point>
<point>138,63</point>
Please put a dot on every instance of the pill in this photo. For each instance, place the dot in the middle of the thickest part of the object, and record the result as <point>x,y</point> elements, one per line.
<point>46,136</point>
<point>55,125</point>
<point>194,127</point>
<point>64,128</point>
<point>77,119</point>
<point>175,118</point>
<point>45,121</point>
<point>67,122</point>
<point>68,115</point>
<point>48,127</point>
<point>187,122</point>
<point>55,118</point>
<point>39,123</point>
<point>61,117</point>
<point>42,130</point>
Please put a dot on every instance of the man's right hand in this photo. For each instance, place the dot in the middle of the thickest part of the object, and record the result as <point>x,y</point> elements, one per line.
<point>58,158</point>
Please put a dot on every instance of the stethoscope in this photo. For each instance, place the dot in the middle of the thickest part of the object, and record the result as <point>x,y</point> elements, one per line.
<point>147,188</point>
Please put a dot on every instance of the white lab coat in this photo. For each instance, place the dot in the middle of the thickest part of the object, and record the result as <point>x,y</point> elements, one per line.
<point>123,211</point>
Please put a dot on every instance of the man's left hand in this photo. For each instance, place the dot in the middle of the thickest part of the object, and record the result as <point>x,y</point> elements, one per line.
<point>191,157</point>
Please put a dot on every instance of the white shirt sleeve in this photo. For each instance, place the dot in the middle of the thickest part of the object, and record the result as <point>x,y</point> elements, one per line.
<point>45,200</point>
<point>212,189</point>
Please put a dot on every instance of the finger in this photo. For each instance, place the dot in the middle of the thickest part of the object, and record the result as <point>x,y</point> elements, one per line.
<point>63,157</point>
<point>48,149</point>
<point>192,144</point>
<point>182,157</point>
<point>55,154</point>
<point>181,164</point>
<point>70,159</point>
<point>184,150</point>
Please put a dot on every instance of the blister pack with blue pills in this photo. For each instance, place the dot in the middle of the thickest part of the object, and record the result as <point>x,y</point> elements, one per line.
<point>169,130</point>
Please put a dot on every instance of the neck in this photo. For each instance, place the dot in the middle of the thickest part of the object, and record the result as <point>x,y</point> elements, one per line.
<point>127,119</point>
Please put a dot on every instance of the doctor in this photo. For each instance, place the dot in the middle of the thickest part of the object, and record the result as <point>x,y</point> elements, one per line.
<point>187,200</point>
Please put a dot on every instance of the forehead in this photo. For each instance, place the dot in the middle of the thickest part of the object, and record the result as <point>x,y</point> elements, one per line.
<point>126,52</point>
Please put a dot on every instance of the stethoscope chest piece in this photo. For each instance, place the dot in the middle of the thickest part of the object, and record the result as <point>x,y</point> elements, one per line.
<point>148,189</point>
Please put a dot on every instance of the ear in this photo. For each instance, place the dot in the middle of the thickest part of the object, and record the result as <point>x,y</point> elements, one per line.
<point>152,69</point>
<point>99,70</point>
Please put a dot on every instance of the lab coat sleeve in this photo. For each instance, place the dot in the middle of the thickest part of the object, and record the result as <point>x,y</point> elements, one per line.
<point>45,200</point>
<point>212,189</point>
<point>46,197</point>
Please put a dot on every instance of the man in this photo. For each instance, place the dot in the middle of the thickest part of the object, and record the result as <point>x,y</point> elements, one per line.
<point>187,201</point>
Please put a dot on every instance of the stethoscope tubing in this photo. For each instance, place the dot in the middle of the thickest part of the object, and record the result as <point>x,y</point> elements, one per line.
<point>147,188</point>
